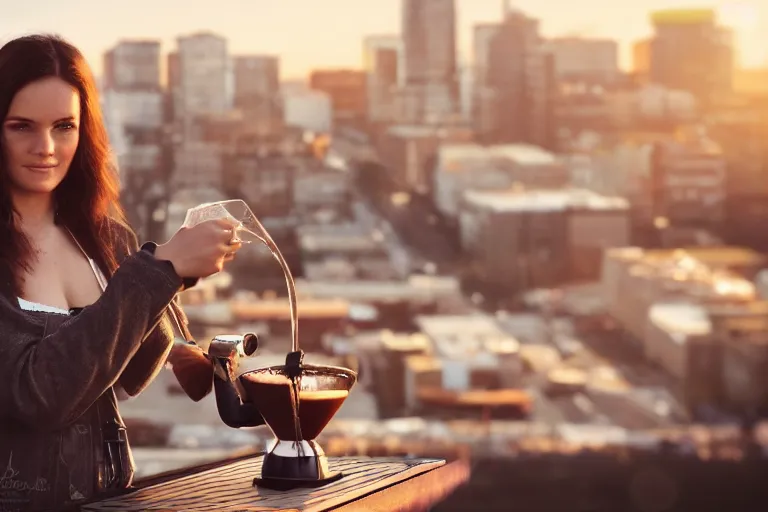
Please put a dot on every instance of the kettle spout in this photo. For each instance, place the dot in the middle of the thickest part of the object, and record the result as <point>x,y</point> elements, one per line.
<point>234,408</point>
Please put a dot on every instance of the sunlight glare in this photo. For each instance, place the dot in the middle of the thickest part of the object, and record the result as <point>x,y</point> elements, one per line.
<point>741,16</point>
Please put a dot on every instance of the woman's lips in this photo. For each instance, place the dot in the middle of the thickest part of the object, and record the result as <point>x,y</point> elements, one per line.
<point>41,168</point>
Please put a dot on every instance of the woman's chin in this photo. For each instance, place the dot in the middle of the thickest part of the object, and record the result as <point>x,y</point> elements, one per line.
<point>39,188</point>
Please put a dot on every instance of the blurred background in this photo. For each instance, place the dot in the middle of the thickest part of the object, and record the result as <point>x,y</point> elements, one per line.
<point>536,229</point>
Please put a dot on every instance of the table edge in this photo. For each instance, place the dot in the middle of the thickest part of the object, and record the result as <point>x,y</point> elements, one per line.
<point>389,481</point>
<point>420,496</point>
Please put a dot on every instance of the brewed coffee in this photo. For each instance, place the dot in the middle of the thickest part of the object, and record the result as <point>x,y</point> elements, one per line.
<point>316,408</point>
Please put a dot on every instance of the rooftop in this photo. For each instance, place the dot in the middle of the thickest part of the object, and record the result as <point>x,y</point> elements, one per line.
<point>680,319</point>
<point>405,342</point>
<point>411,131</point>
<point>523,154</point>
<point>543,200</point>
<point>683,16</point>
<point>463,156</point>
<point>279,308</point>
<point>415,288</point>
<point>338,237</point>
<point>341,242</point>
<point>467,337</point>
<point>435,325</point>
<point>419,363</point>
<point>714,257</point>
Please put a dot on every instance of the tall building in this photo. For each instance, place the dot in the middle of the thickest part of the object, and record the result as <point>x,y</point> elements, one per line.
<point>483,109</point>
<point>521,75</point>
<point>688,184</point>
<point>134,111</point>
<point>173,70</point>
<point>641,59</point>
<point>383,65</point>
<point>198,166</point>
<point>173,106</point>
<point>527,239</point>
<point>203,67</point>
<point>133,65</point>
<point>133,104</point>
<point>347,89</point>
<point>482,36</point>
<point>582,59</point>
<point>691,51</point>
<point>429,46</point>
<point>307,109</point>
<point>257,93</point>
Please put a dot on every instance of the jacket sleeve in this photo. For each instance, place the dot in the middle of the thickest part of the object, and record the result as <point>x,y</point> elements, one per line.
<point>191,367</point>
<point>153,352</point>
<point>146,364</point>
<point>48,382</point>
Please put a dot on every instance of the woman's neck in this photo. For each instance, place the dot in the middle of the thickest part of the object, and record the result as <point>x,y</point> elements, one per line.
<point>34,211</point>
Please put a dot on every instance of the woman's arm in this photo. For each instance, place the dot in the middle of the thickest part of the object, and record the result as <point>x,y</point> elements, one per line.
<point>48,383</point>
<point>153,352</point>
<point>192,368</point>
<point>159,348</point>
<point>149,359</point>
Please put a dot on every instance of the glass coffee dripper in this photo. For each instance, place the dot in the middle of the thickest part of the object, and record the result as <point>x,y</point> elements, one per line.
<point>295,400</point>
<point>234,209</point>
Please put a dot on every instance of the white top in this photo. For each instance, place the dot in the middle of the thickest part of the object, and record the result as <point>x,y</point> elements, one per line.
<point>36,306</point>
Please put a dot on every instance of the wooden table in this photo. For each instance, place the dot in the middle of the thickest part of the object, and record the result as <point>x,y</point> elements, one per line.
<point>370,484</point>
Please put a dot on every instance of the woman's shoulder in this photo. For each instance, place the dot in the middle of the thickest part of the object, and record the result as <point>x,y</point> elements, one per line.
<point>123,236</point>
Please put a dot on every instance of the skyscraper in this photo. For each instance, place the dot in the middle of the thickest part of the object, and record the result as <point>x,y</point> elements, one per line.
<point>133,106</point>
<point>348,90</point>
<point>382,61</point>
<point>483,97</point>
<point>692,52</point>
<point>203,66</point>
<point>520,73</point>
<point>429,44</point>
<point>257,92</point>
<point>133,65</point>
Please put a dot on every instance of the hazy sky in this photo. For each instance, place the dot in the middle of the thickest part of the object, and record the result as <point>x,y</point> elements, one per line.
<point>328,33</point>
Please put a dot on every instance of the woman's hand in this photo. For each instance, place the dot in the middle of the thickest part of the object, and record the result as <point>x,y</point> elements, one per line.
<point>201,250</point>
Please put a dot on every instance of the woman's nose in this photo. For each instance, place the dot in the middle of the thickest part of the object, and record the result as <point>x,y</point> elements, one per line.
<point>44,144</point>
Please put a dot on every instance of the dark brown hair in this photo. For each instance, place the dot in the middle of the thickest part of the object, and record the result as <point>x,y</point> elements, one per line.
<point>87,200</point>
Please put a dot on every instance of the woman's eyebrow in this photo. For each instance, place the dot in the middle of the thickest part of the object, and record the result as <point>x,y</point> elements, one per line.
<point>19,118</point>
<point>26,120</point>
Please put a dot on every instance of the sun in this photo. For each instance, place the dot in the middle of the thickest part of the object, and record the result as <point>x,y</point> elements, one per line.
<point>741,16</point>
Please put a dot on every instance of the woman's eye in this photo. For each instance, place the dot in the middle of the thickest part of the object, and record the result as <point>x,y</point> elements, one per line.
<point>66,126</point>
<point>19,127</point>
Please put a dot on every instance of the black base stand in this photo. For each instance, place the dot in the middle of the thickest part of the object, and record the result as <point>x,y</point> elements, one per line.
<point>283,473</point>
<point>286,484</point>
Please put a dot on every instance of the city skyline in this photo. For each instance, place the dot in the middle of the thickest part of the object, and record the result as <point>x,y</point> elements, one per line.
<point>270,28</point>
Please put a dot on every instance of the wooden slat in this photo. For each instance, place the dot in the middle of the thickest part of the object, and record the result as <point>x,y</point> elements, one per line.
<point>228,488</point>
<point>414,494</point>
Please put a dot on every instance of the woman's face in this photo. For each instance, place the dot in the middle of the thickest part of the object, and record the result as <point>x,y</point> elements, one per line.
<point>40,135</point>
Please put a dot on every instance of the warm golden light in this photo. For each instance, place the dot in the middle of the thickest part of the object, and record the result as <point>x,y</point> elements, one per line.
<point>742,16</point>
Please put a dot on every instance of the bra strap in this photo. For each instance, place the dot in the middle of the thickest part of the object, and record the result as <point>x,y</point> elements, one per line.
<point>102,280</point>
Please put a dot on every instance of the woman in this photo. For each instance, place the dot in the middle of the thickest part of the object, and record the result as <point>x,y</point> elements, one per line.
<point>82,311</point>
